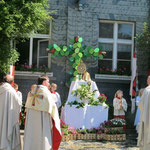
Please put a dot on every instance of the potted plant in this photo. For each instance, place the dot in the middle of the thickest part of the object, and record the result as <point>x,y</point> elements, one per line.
<point>115,135</point>
<point>32,70</point>
<point>91,134</point>
<point>102,98</point>
<point>119,74</point>
<point>72,133</point>
<point>116,123</point>
<point>81,134</point>
<point>64,132</point>
<point>100,133</point>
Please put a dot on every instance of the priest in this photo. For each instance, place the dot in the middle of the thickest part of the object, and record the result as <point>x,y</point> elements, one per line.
<point>144,128</point>
<point>42,128</point>
<point>10,105</point>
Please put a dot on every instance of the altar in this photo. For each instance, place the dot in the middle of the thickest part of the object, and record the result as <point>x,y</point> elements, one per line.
<point>87,117</point>
<point>75,85</point>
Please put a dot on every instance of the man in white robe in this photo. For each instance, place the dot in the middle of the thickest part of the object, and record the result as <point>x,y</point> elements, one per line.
<point>42,128</point>
<point>10,105</point>
<point>144,127</point>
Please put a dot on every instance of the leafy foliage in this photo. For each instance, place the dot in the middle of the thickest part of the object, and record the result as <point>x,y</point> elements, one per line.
<point>84,92</point>
<point>115,131</point>
<point>102,98</point>
<point>79,105</point>
<point>18,19</point>
<point>143,40</point>
<point>75,53</point>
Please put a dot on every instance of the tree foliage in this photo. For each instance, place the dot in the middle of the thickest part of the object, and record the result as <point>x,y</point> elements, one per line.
<point>18,18</point>
<point>143,41</point>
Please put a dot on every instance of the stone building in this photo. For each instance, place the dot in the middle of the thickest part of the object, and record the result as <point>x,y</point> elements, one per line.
<point>112,24</point>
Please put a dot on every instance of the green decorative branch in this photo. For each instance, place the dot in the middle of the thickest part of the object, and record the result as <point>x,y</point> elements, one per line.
<point>75,52</point>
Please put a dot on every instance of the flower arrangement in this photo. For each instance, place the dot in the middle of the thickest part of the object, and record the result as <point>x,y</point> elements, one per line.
<point>33,68</point>
<point>63,125</point>
<point>64,128</point>
<point>120,71</point>
<point>117,122</point>
<point>100,130</point>
<point>107,124</point>
<point>71,130</point>
<point>115,131</point>
<point>102,98</point>
<point>83,92</point>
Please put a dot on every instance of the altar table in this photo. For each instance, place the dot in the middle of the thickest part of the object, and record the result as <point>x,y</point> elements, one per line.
<point>85,118</point>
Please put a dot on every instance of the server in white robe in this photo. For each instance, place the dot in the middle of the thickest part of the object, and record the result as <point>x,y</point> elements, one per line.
<point>42,128</point>
<point>55,95</point>
<point>10,106</point>
<point>144,127</point>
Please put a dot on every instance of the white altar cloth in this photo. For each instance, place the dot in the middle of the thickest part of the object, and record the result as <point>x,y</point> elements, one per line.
<point>75,85</point>
<point>87,117</point>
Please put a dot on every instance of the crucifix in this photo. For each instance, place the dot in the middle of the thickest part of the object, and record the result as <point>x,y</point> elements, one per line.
<point>75,53</point>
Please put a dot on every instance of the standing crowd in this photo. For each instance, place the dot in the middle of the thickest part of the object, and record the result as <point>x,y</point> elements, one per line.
<point>42,126</point>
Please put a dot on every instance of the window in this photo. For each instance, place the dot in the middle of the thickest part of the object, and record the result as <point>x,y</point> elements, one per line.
<point>117,39</point>
<point>33,51</point>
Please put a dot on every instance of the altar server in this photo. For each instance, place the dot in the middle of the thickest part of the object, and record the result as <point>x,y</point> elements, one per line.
<point>120,105</point>
<point>55,95</point>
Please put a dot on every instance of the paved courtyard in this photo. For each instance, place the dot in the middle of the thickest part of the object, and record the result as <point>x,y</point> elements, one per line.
<point>129,144</point>
<point>98,145</point>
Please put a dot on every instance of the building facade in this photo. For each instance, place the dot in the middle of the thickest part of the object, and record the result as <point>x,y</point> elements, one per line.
<point>113,24</point>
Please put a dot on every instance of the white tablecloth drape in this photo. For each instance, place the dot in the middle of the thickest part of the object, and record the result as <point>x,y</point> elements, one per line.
<point>87,117</point>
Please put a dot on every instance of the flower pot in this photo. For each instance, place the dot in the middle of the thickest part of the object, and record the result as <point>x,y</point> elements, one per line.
<point>112,77</point>
<point>65,138</point>
<point>91,136</point>
<point>73,136</point>
<point>81,136</point>
<point>115,137</point>
<point>100,136</point>
<point>112,128</point>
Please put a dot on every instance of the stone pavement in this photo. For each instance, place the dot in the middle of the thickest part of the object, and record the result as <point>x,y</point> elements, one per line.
<point>98,145</point>
<point>129,144</point>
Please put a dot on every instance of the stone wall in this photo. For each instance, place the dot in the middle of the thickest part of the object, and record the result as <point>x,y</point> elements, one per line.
<point>68,22</point>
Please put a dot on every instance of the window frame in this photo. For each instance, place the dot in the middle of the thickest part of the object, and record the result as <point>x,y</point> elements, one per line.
<point>41,36</point>
<point>115,41</point>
